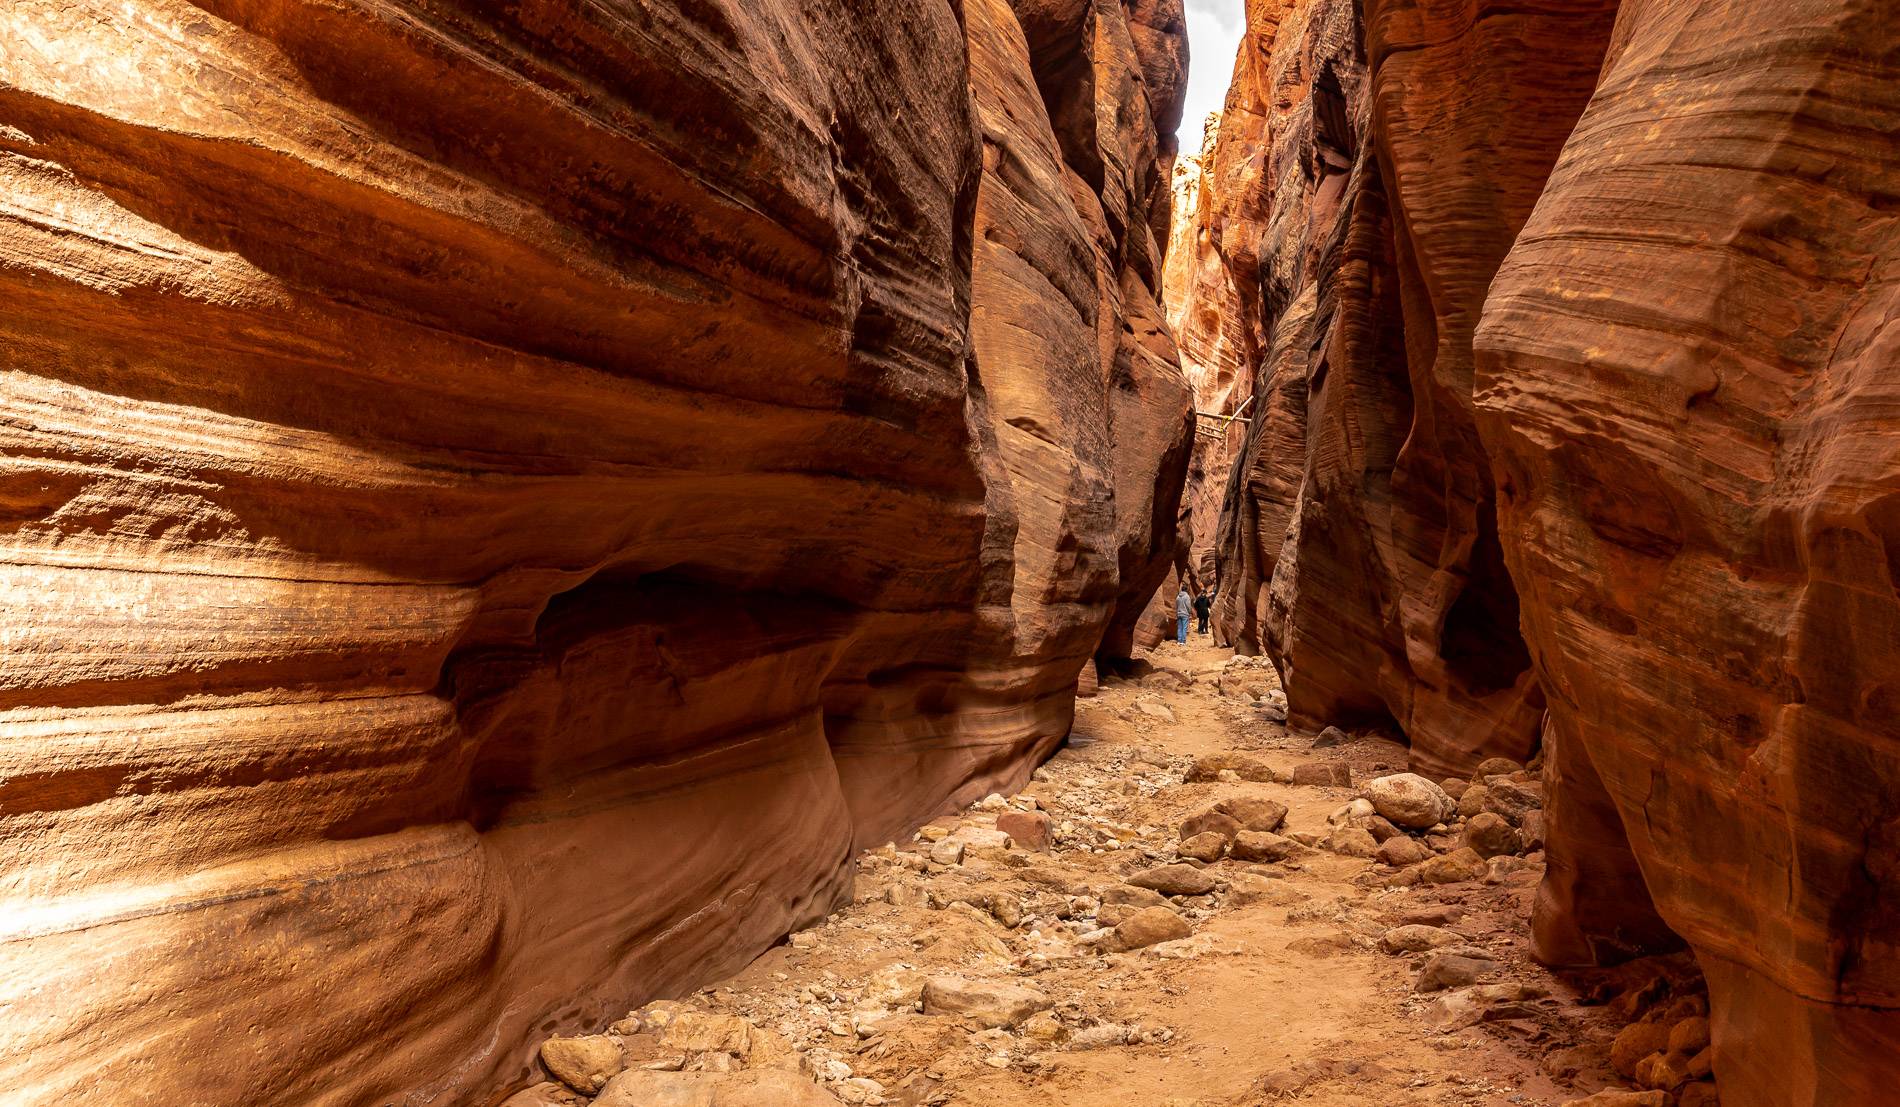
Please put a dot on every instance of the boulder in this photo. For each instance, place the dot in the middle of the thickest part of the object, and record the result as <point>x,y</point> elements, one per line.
<point>1635,1042</point>
<point>1468,1006</point>
<point>583,1064</point>
<point>1150,926</point>
<point>1415,938</point>
<point>1496,766</point>
<point>1324,774</point>
<point>1409,800</point>
<point>1154,709</point>
<point>1350,841</point>
<point>1452,970</point>
<point>1488,835</point>
<point>1207,846</point>
<point>991,1003</point>
<point>1246,768</point>
<point>1028,829</point>
<point>1211,822</point>
<point>1473,800</point>
<point>1402,850</point>
<point>1259,845</point>
<point>1254,812</point>
<point>1129,895</point>
<point>1513,800</point>
<point>1689,1036</point>
<point>752,1088</point>
<point>1452,868</point>
<point>1616,1098</point>
<point>1174,880</point>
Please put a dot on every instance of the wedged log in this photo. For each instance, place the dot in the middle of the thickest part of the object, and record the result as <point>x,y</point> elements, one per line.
<point>499,501</point>
<point>1686,381</point>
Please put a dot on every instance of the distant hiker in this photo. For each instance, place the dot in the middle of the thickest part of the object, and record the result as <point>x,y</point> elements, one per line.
<point>1203,607</point>
<point>1182,607</point>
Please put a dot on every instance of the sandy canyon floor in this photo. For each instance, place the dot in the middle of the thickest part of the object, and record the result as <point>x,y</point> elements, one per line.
<point>971,972</point>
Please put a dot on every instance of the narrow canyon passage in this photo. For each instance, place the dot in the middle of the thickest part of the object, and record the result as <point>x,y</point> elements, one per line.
<point>1184,908</point>
<point>517,511</point>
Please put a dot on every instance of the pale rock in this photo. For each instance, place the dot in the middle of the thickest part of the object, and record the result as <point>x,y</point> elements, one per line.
<point>1462,1007</point>
<point>1174,880</point>
<point>1357,808</point>
<point>1409,800</point>
<point>1153,710</point>
<point>990,1003</point>
<point>1416,939</point>
<point>583,1064</point>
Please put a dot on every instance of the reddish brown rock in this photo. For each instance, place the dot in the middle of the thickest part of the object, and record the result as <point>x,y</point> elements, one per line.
<point>1686,377</point>
<point>1029,829</point>
<point>1649,425</point>
<point>1358,545</point>
<point>487,484</point>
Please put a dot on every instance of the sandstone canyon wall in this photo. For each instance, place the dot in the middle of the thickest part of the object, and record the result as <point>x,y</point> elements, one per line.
<point>500,499</point>
<point>1567,326</point>
<point>1687,374</point>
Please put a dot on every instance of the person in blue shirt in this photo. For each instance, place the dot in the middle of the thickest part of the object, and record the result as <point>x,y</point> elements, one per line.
<point>1183,607</point>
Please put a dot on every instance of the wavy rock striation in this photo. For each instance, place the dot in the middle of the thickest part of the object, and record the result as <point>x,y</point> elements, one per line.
<point>496,505</point>
<point>1569,419</point>
<point>1686,375</point>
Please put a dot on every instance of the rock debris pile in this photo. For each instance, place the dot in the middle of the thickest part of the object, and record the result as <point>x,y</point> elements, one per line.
<point>1163,917</point>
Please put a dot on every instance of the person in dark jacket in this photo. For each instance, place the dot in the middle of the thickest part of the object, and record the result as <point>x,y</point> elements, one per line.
<point>1182,607</point>
<point>1203,607</point>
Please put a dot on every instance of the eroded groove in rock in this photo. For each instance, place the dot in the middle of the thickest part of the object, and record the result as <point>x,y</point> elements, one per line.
<point>498,503</point>
<point>1358,546</point>
<point>1686,379</point>
<point>1638,270</point>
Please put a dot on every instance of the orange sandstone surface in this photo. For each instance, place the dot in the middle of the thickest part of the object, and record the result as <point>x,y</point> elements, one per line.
<point>501,499</point>
<point>1569,332</point>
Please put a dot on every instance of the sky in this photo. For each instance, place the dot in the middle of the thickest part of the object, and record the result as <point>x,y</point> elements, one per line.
<point>1214,30</point>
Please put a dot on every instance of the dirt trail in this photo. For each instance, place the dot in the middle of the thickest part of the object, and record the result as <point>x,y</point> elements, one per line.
<point>1281,992</point>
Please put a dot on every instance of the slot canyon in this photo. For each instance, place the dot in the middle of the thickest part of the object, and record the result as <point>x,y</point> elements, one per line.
<point>634,553</point>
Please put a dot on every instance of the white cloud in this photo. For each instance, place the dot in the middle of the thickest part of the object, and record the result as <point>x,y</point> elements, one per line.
<point>1214,32</point>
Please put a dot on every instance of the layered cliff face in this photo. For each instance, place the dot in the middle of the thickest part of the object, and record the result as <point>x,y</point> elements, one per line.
<point>498,504</point>
<point>1569,422</point>
<point>1686,372</point>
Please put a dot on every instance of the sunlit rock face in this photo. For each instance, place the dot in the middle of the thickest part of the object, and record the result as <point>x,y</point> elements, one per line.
<point>1687,379</point>
<point>498,505</point>
<point>1573,420</point>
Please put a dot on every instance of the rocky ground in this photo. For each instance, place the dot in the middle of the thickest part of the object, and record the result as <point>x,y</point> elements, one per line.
<point>1189,906</point>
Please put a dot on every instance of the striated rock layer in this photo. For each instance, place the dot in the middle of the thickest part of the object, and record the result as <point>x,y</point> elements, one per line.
<point>496,505</point>
<point>1686,374</point>
<point>1571,420</point>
